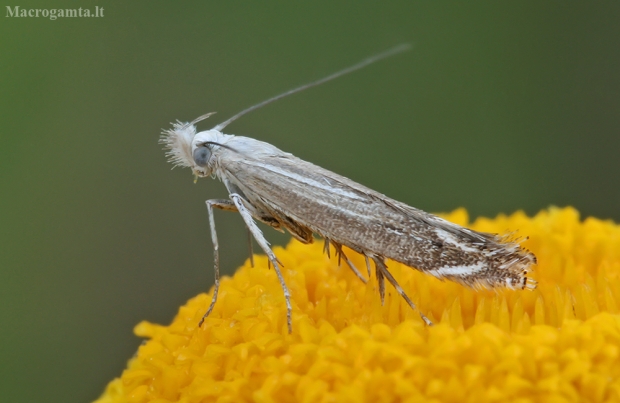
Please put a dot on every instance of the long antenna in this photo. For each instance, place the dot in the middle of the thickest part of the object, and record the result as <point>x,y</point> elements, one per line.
<point>391,52</point>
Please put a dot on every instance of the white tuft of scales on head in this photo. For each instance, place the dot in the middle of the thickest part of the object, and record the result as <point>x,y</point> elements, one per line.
<point>178,141</point>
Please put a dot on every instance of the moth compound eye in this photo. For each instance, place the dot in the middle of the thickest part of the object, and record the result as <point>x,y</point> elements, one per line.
<point>201,156</point>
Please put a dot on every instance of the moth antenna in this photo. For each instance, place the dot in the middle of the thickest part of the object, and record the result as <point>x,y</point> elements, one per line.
<point>199,119</point>
<point>391,52</point>
<point>215,143</point>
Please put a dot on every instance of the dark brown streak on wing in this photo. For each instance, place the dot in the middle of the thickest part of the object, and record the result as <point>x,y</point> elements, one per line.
<point>299,231</point>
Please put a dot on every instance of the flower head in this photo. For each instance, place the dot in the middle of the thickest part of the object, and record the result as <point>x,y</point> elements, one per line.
<point>560,342</point>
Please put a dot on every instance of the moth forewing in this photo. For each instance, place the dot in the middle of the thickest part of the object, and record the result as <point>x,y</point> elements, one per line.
<point>269,185</point>
<point>343,211</point>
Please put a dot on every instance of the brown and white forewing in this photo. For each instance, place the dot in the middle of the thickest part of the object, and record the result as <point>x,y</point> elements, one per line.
<point>311,197</point>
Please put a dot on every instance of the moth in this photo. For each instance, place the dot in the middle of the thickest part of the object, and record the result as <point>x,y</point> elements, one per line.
<point>274,187</point>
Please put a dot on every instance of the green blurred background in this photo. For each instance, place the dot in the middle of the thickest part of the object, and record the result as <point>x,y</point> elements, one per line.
<point>498,107</point>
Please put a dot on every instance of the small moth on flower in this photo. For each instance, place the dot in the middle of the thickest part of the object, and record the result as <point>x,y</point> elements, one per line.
<point>287,193</point>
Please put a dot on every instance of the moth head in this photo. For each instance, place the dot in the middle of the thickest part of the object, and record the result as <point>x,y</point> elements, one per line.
<point>202,151</point>
<point>184,149</point>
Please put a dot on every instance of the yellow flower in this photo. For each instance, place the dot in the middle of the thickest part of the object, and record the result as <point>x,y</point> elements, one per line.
<point>559,343</point>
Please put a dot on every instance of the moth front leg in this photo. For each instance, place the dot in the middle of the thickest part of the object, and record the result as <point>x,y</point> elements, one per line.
<point>262,242</point>
<point>223,205</point>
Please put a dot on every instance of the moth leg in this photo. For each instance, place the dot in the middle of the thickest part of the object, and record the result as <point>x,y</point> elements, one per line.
<point>250,248</point>
<point>223,205</point>
<point>326,248</point>
<point>380,266</point>
<point>340,253</point>
<point>367,264</point>
<point>380,281</point>
<point>262,242</point>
